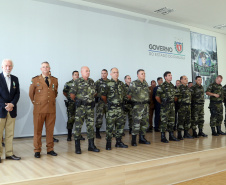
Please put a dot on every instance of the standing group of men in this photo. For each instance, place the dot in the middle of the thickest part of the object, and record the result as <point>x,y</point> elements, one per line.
<point>115,100</point>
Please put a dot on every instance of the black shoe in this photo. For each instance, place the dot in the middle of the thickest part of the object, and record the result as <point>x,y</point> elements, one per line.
<point>163,138</point>
<point>149,130</point>
<point>82,138</point>
<point>157,130</point>
<point>202,134</point>
<point>214,132</point>
<point>142,140</point>
<point>0,160</point>
<point>52,153</point>
<point>108,145</point>
<point>37,155</point>
<point>219,131</point>
<point>179,135</point>
<point>98,136</point>
<point>130,130</point>
<point>13,157</point>
<point>55,140</point>
<point>120,144</point>
<point>77,147</point>
<point>123,134</point>
<point>92,147</point>
<point>134,140</point>
<point>172,137</point>
<point>3,144</point>
<point>68,135</point>
<point>187,135</point>
<point>195,135</point>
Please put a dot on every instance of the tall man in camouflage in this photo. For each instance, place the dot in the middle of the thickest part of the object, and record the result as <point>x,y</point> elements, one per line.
<point>139,95</point>
<point>183,94</point>
<point>215,91</point>
<point>197,107</point>
<point>224,90</point>
<point>70,104</point>
<point>128,105</point>
<point>101,106</point>
<point>84,91</point>
<point>114,94</point>
<point>166,96</point>
<point>178,83</point>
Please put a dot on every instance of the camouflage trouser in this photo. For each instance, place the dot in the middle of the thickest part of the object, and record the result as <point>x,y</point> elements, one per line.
<point>84,113</point>
<point>100,111</point>
<point>140,119</point>
<point>197,116</point>
<point>114,117</point>
<point>216,111</point>
<point>167,116</point>
<point>70,115</point>
<point>130,115</point>
<point>184,117</point>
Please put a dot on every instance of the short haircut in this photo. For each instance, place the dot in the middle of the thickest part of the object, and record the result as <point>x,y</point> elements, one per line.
<point>166,73</point>
<point>125,77</point>
<point>6,59</point>
<point>75,72</point>
<point>45,62</point>
<point>190,82</point>
<point>219,76</point>
<point>139,70</point>
<point>113,68</point>
<point>181,77</point>
<point>153,81</point>
<point>197,77</point>
<point>178,81</point>
<point>159,78</point>
<point>105,70</point>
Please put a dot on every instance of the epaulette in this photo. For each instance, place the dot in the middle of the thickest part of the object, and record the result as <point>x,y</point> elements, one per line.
<point>35,76</point>
<point>53,76</point>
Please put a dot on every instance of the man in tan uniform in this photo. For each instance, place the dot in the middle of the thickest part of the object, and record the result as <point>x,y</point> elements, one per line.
<point>43,93</point>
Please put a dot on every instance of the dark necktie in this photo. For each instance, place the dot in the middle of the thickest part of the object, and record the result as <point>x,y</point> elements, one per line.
<point>47,81</point>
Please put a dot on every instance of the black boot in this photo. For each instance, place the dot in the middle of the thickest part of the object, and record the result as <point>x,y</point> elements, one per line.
<point>120,144</point>
<point>142,140</point>
<point>98,136</point>
<point>187,135</point>
<point>82,138</point>
<point>172,137</point>
<point>134,140</point>
<point>201,133</point>
<point>214,131</point>
<point>69,134</point>
<point>108,145</point>
<point>130,130</point>
<point>195,135</point>
<point>92,147</point>
<point>163,138</point>
<point>219,131</point>
<point>179,135</point>
<point>77,147</point>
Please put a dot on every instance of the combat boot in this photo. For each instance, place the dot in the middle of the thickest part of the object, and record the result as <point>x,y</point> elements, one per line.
<point>179,135</point>
<point>69,134</point>
<point>187,135</point>
<point>195,135</point>
<point>172,137</point>
<point>134,140</point>
<point>130,130</point>
<point>82,138</point>
<point>92,147</point>
<point>77,147</point>
<point>98,136</point>
<point>142,140</point>
<point>219,131</point>
<point>163,138</point>
<point>201,133</point>
<point>108,145</point>
<point>214,131</point>
<point>120,144</point>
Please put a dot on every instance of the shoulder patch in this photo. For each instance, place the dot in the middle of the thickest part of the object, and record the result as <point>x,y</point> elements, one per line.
<point>53,76</point>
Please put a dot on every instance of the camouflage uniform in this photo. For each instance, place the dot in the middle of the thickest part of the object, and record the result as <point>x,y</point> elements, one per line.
<point>84,91</point>
<point>139,93</point>
<point>115,93</point>
<point>101,106</point>
<point>197,106</point>
<point>128,109</point>
<point>183,94</point>
<point>215,106</point>
<point>70,104</point>
<point>224,90</point>
<point>166,92</point>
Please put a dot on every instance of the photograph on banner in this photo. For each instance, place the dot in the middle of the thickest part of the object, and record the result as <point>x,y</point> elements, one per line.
<point>204,58</point>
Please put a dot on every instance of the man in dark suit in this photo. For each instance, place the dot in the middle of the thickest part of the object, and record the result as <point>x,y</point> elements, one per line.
<point>9,96</point>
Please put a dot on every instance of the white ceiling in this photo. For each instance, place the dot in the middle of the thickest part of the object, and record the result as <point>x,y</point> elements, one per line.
<point>198,13</point>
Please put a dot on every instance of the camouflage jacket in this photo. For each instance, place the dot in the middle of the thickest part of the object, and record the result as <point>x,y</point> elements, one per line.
<point>84,90</point>
<point>67,88</point>
<point>99,84</point>
<point>216,89</point>
<point>166,92</point>
<point>197,94</point>
<point>114,91</point>
<point>224,90</point>
<point>183,93</point>
<point>139,91</point>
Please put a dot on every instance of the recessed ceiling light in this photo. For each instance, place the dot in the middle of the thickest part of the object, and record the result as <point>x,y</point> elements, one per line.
<point>222,26</point>
<point>164,11</point>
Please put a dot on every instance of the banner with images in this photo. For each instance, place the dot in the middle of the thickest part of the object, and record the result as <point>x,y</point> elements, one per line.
<point>204,58</point>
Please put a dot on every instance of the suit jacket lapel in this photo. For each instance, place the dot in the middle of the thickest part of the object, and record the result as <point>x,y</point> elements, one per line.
<point>2,78</point>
